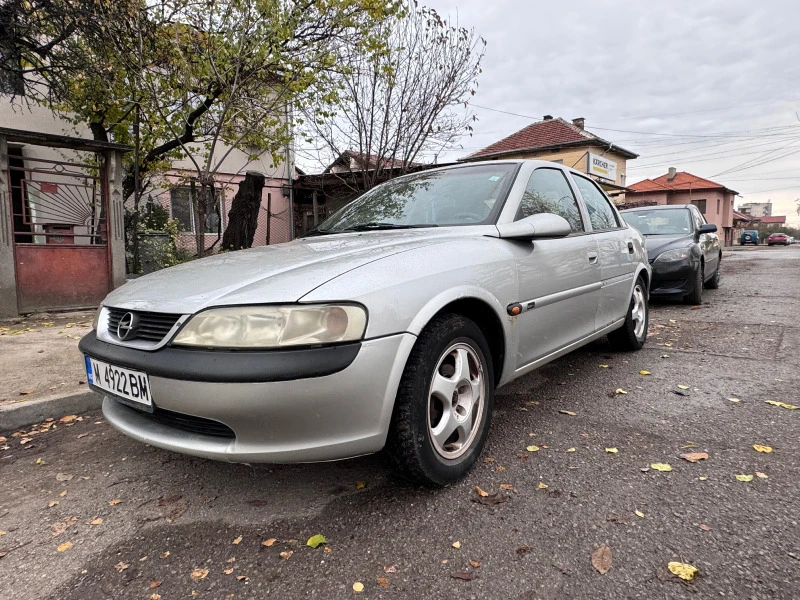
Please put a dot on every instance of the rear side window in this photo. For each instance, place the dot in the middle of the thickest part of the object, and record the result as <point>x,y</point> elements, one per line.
<point>548,192</point>
<point>601,215</point>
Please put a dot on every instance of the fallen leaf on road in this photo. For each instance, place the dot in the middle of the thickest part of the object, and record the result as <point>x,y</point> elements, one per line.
<point>683,387</point>
<point>68,419</point>
<point>761,475</point>
<point>603,366</point>
<point>542,486</point>
<point>360,485</point>
<point>570,449</point>
<point>232,559</point>
<point>121,566</point>
<point>693,457</point>
<point>463,575</point>
<point>661,467</point>
<point>40,461</point>
<point>481,492</point>
<point>383,582</point>
<point>532,448</point>
<point>639,514</point>
<point>165,554</point>
<point>114,502</point>
<point>705,527</point>
<point>620,391</point>
<point>64,493</point>
<point>688,445</point>
<point>286,555</point>
<point>97,521</point>
<point>781,404</point>
<point>665,356</point>
<point>734,399</point>
<point>612,450</point>
<point>315,540</point>
<point>228,571</point>
<point>456,544</point>
<point>26,392</point>
<point>702,478</point>
<point>64,546</point>
<point>668,344</point>
<point>57,528</point>
<point>567,412</point>
<point>601,559</point>
<point>155,583</point>
<point>358,587</point>
<point>52,503</point>
<point>63,477</point>
<point>241,577</point>
<point>508,487</point>
<point>268,542</point>
<point>475,564</point>
<point>760,448</point>
<point>523,549</point>
<point>237,541</point>
<point>645,373</point>
<point>744,477</point>
<point>198,574</point>
<point>24,441</point>
<point>155,596</point>
<point>682,570</point>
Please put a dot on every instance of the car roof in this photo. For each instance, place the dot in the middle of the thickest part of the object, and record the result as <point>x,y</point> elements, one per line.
<point>508,161</point>
<point>658,207</point>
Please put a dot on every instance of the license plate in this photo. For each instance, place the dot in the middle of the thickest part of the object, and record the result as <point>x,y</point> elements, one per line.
<point>124,383</point>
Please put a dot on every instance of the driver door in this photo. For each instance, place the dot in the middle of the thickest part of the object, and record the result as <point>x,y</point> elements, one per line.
<point>559,279</point>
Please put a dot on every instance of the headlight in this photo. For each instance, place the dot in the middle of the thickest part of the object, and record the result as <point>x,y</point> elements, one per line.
<point>273,326</point>
<point>674,255</point>
<point>96,320</point>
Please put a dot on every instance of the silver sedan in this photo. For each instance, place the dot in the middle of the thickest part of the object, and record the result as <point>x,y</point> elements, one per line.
<point>388,327</point>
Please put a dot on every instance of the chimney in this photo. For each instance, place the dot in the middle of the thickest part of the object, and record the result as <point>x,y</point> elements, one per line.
<point>579,122</point>
<point>672,173</point>
<point>548,117</point>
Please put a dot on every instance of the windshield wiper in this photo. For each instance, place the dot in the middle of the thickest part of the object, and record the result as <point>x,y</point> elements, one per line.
<point>379,226</point>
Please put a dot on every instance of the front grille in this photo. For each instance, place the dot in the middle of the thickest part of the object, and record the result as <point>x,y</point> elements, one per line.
<point>152,326</point>
<point>191,424</point>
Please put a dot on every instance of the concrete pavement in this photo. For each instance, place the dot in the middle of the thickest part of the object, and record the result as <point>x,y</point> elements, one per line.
<point>133,521</point>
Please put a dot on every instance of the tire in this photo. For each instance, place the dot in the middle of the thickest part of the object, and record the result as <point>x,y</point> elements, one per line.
<point>633,333</point>
<point>695,297</point>
<point>424,405</point>
<point>713,283</point>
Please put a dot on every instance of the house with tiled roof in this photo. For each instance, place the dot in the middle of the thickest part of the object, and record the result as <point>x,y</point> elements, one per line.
<point>351,161</point>
<point>774,220</point>
<point>567,143</point>
<point>714,200</point>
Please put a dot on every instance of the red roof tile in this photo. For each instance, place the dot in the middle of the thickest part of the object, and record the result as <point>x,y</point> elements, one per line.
<point>544,134</point>
<point>681,182</point>
<point>775,219</point>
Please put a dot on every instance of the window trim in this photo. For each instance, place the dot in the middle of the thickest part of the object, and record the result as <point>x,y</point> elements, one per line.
<point>575,198</point>
<point>620,221</point>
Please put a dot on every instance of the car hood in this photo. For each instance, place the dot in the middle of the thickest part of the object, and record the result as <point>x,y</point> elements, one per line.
<point>269,274</point>
<point>656,244</point>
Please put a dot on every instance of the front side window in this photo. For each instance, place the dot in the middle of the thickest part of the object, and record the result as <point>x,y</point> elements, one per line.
<point>183,209</point>
<point>601,215</point>
<point>548,192</point>
<point>470,195</point>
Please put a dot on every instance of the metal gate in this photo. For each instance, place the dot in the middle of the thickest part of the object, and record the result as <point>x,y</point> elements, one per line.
<point>60,235</point>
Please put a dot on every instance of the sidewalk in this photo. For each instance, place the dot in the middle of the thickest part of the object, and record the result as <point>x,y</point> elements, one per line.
<point>41,361</point>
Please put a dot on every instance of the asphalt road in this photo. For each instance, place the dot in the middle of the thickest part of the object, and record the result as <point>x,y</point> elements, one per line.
<point>165,515</point>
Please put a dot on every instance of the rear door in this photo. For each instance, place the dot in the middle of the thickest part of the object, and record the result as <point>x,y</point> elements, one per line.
<point>559,279</point>
<point>616,252</point>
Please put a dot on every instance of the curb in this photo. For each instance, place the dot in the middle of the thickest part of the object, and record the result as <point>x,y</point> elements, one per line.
<point>19,415</point>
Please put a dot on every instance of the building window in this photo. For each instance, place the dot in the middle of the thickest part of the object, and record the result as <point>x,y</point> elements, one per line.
<point>701,205</point>
<point>183,209</point>
<point>719,205</point>
<point>11,79</point>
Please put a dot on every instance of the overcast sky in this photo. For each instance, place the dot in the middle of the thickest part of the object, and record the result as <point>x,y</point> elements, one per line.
<point>711,87</point>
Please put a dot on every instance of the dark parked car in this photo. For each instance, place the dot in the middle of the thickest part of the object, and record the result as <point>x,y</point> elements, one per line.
<point>682,248</point>
<point>749,236</point>
<point>778,238</point>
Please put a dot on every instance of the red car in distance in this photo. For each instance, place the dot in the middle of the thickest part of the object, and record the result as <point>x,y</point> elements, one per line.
<point>778,238</point>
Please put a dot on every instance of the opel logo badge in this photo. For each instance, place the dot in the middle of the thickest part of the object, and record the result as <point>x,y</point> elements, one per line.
<point>127,326</point>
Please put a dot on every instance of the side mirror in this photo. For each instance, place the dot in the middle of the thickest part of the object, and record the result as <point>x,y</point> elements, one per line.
<point>707,228</point>
<point>543,225</point>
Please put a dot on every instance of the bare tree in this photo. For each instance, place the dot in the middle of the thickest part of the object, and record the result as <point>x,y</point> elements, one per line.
<point>399,101</point>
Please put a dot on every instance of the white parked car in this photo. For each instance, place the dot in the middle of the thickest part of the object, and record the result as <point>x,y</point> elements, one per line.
<point>390,326</point>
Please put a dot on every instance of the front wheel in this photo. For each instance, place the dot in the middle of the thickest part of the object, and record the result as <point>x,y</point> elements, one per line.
<point>633,333</point>
<point>713,283</point>
<point>444,403</point>
<point>695,297</point>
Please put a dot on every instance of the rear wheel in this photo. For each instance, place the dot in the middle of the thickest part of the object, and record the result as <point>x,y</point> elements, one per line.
<point>444,403</point>
<point>696,295</point>
<point>633,333</point>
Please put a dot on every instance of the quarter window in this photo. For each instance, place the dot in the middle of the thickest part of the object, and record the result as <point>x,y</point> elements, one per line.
<point>601,214</point>
<point>548,192</point>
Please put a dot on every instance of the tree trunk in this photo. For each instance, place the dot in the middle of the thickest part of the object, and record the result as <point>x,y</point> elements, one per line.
<point>243,216</point>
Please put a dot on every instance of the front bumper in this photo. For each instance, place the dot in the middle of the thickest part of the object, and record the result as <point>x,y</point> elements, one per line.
<point>673,278</point>
<point>305,418</point>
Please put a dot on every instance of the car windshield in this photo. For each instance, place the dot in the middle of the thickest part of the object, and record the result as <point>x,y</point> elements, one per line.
<point>469,195</point>
<point>675,221</point>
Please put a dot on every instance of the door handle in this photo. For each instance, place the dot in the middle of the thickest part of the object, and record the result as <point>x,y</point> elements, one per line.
<point>630,247</point>
<point>592,258</point>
